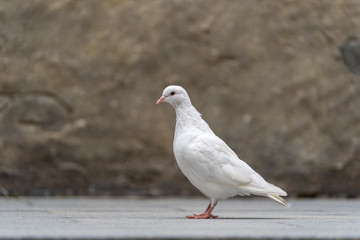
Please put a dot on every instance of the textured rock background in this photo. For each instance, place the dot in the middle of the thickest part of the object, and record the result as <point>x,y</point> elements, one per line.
<point>79,81</point>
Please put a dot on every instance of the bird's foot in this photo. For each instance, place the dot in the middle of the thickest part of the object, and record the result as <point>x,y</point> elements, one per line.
<point>201,216</point>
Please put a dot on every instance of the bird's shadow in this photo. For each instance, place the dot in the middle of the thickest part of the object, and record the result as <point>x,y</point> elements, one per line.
<point>240,218</point>
<point>251,218</point>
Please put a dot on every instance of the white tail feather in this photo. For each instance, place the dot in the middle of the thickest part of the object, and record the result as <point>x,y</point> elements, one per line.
<point>277,198</point>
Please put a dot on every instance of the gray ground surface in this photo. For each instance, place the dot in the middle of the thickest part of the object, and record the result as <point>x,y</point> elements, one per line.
<point>119,218</point>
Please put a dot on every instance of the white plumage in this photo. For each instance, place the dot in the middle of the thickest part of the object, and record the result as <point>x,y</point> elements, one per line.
<point>207,161</point>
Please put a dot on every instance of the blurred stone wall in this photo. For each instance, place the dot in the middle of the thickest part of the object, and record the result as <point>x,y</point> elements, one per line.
<point>79,80</point>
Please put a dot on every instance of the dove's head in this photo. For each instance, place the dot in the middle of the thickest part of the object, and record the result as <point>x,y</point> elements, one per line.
<point>174,95</point>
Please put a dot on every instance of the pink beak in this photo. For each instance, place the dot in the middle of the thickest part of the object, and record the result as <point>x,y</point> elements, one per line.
<point>160,100</point>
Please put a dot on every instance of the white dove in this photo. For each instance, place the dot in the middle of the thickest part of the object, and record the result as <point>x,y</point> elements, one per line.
<point>207,161</point>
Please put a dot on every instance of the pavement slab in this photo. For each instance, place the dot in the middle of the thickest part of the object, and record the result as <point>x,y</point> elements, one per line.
<point>134,218</point>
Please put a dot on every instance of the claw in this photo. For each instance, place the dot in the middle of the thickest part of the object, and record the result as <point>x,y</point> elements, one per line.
<point>201,216</point>
<point>207,214</point>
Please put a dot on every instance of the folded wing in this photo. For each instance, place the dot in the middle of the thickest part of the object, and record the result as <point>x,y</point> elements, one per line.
<point>215,162</point>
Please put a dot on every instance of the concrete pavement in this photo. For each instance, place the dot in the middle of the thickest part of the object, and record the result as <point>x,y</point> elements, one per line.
<point>126,218</point>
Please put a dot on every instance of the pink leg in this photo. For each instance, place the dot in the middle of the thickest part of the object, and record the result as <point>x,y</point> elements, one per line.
<point>207,213</point>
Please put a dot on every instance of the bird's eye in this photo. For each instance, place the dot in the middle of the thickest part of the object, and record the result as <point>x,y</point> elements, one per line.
<point>172,93</point>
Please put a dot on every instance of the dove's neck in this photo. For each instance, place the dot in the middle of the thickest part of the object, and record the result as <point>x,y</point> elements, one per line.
<point>187,117</point>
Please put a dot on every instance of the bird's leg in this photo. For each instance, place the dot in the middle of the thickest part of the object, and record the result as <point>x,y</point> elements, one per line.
<point>207,213</point>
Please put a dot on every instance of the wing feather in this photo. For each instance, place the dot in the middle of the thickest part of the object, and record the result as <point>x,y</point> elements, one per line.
<point>216,162</point>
